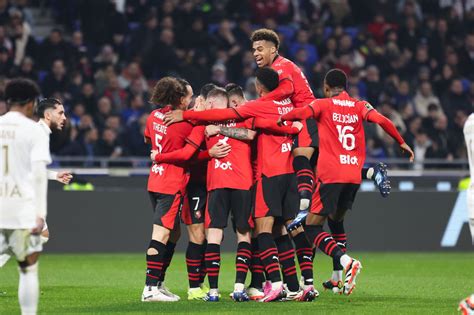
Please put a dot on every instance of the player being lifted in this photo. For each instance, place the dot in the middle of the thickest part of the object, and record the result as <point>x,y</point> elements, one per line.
<point>23,187</point>
<point>341,157</point>
<point>293,85</point>
<point>276,193</point>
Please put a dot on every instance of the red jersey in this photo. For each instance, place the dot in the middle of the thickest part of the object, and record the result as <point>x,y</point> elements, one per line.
<point>273,151</point>
<point>234,170</point>
<point>166,178</point>
<point>302,94</point>
<point>341,137</point>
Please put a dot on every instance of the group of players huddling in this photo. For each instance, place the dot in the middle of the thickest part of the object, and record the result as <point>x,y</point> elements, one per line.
<point>260,158</point>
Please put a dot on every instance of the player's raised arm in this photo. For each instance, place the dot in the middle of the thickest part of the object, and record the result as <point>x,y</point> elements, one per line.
<point>389,127</point>
<point>298,114</point>
<point>284,90</point>
<point>207,115</point>
<point>274,127</point>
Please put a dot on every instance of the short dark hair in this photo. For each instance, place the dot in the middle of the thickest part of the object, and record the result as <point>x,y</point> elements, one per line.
<point>21,91</point>
<point>206,88</point>
<point>168,91</point>
<point>336,78</point>
<point>46,104</point>
<point>234,89</point>
<point>266,34</point>
<point>217,92</point>
<point>268,77</point>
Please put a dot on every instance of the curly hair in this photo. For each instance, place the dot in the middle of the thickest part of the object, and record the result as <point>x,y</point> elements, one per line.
<point>168,91</point>
<point>266,34</point>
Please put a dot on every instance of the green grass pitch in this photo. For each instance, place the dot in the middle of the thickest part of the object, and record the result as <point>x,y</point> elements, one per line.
<point>395,283</point>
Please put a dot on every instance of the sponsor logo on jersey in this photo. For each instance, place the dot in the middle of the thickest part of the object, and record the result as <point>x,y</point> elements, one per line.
<point>345,103</point>
<point>285,147</point>
<point>157,169</point>
<point>223,165</point>
<point>346,159</point>
<point>284,102</point>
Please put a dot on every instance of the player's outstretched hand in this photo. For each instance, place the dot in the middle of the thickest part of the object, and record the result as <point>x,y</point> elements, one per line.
<point>199,104</point>
<point>64,177</point>
<point>173,116</point>
<point>153,154</point>
<point>220,150</point>
<point>212,130</point>
<point>39,226</point>
<point>406,148</point>
<point>297,125</point>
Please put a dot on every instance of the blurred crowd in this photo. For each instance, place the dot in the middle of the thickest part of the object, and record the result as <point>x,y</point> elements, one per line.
<point>412,59</point>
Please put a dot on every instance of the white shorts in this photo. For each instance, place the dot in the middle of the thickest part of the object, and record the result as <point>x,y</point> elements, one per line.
<point>20,243</point>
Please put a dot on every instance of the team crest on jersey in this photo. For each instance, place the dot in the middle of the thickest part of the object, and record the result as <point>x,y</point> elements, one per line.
<point>280,72</point>
<point>368,106</point>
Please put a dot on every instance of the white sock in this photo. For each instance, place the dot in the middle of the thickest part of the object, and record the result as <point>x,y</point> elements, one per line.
<point>238,287</point>
<point>304,204</point>
<point>28,290</point>
<point>337,275</point>
<point>370,173</point>
<point>345,261</point>
<point>276,285</point>
<point>213,292</point>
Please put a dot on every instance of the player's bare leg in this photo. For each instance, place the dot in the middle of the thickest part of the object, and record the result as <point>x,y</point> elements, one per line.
<point>269,257</point>
<point>242,264</point>
<point>195,260</point>
<point>28,288</point>
<point>325,242</point>
<point>213,261</point>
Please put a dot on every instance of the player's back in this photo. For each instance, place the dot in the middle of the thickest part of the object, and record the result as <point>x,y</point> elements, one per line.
<point>302,94</point>
<point>341,138</point>
<point>469,137</point>
<point>166,178</point>
<point>273,151</point>
<point>22,142</point>
<point>234,170</point>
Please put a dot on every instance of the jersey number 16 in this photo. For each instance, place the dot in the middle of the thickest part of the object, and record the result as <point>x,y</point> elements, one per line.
<point>346,138</point>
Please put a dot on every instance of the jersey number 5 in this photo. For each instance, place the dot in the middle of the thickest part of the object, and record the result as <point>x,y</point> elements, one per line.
<point>346,139</point>
<point>158,138</point>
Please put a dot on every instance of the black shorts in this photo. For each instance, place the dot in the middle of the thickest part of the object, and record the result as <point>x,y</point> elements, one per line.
<point>166,209</point>
<point>328,198</point>
<point>197,197</point>
<point>276,196</point>
<point>308,136</point>
<point>224,201</point>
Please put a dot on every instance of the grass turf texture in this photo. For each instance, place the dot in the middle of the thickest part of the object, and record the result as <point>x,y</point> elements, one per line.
<point>396,283</point>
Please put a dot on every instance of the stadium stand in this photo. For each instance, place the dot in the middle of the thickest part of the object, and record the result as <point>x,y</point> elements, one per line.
<point>413,60</point>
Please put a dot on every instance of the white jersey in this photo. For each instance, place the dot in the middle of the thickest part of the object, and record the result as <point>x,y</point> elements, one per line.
<point>22,142</point>
<point>469,138</point>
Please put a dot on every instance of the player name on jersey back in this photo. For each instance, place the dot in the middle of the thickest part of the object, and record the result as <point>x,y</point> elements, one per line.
<point>166,178</point>
<point>341,138</point>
